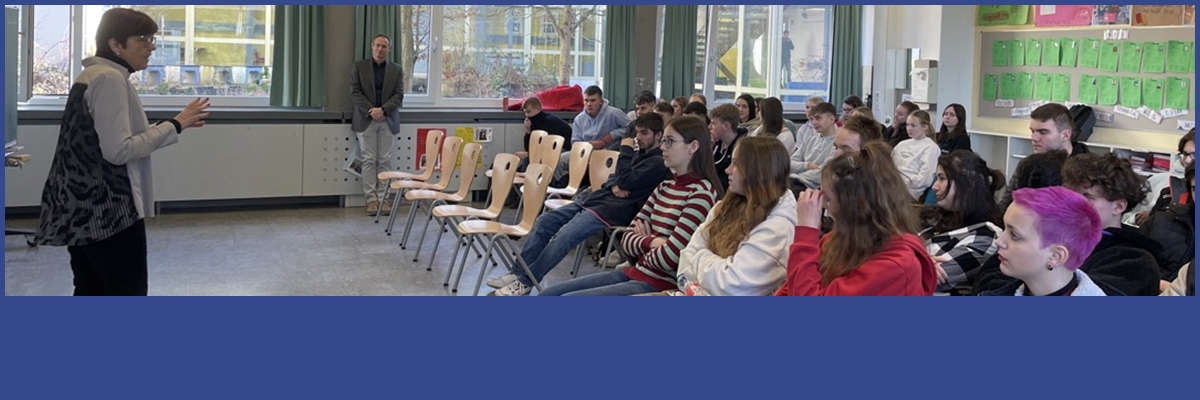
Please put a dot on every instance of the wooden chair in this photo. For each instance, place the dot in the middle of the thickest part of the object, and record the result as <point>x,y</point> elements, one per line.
<point>548,155</point>
<point>466,175</point>
<point>505,167</point>
<point>503,236</point>
<point>449,161</point>
<point>433,143</point>
<point>601,165</point>
<point>536,138</point>
<point>581,153</point>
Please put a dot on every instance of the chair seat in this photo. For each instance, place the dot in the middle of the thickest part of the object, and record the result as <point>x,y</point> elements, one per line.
<point>462,211</point>
<point>433,195</point>
<point>403,175</point>
<point>554,204</point>
<point>562,192</point>
<point>477,227</point>
<point>397,185</point>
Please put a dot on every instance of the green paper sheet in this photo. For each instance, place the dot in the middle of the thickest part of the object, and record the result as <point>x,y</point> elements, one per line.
<point>1088,89</point>
<point>990,83</point>
<point>1051,52</point>
<point>1016,52</point>
<point>1152,93</point>
<point>1107,92</point>
<point>1131,57</point>
<point>1089,53</point>
<point>1000,53</point>
<point>1070,52</point>
<point>1110,54</point>
<point>1179,55</point>
<point>1178,92</point>
<point>1009,86</point>
<point>1154,57</point>
<point>1045,87</point>
<point>1033,52</point>
<point>1131,92</point>
<point>1062,88</point>
<point>1025,86</point>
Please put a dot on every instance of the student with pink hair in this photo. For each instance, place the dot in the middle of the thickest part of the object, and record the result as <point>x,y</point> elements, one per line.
<point>1048,233</point>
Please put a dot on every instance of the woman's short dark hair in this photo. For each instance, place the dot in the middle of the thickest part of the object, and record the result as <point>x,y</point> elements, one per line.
<point>121,24</point>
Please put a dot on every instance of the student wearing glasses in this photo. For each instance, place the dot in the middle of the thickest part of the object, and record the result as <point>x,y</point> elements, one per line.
<point>99,190</point>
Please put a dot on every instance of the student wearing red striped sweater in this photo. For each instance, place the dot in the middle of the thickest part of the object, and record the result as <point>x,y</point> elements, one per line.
<point>665,223</point>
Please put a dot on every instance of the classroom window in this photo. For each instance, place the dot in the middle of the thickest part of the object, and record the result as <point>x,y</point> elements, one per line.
<point>217,51</point>
<point>495,51</point>
<point>749,54</point>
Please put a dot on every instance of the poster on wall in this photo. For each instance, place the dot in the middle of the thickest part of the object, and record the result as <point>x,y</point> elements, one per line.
<point>421,134</point>
<point>467,134</point>
<point>1002,15</point>
<point>1062,15</point>
<point>483,135</point>
<point>1157,15</point>
<point>1110,15</point>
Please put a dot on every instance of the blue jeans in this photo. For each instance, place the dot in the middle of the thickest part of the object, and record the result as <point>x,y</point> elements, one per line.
<point>554,235</point>
<point>613,283</point>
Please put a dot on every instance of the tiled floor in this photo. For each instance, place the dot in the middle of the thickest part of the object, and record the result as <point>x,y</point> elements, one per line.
<point>282,252</point>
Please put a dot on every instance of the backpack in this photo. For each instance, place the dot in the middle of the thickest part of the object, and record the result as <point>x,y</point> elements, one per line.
<point>1084,119</point>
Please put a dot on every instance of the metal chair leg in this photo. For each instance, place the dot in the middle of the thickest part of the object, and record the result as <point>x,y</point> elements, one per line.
<point>386,187</point>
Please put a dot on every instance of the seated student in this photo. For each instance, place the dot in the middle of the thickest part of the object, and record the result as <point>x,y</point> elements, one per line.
<point>1184,284</point>
<point>557,232</point>
<point>809,157</point>
<point>699,98</point>
<point>953,135</point>
<point>741,248</point>
<point>772,124</point>
<point>535,120</point>
<point>866,112</point>
<point>1124,259</point>
<point>854,134</point>
<point>697,110</point>
<point>917,158</point>
<point>599,123</point>
<point>1047,235</point>
<point>875,253</point>
<point>666,222</point>
<point>1175,229</point>
<point>808,130</point>
<point>747,108</point>
<point>678,104</point>
<point>643,103</point>
<point>664,110</point>
<point>721,129</point>
<point>1036,171</point>
<point>896,133</point>
<point>1176,192</point>
<point>960,231</point>
<point>849,104</point>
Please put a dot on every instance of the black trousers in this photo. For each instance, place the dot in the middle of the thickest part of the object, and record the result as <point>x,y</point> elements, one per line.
<point>112,267</point>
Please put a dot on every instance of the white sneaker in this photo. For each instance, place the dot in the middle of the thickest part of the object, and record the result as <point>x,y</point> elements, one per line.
<point>614,259</point>
<point>496,283</point>
<point>516,288</point>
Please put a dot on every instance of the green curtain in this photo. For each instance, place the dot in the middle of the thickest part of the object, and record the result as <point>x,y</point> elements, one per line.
<point>374,20</point>
<point>847,53</point>
<point>679,51</point>
<point>298,68</point>
<point>619,29</point>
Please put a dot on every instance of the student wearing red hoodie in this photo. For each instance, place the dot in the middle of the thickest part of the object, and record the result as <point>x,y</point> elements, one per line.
<point>873,249</point>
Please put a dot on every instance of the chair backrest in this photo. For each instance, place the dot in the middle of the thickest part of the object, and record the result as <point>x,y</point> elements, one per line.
<point>504,170</point>
<point>433,144</point>
<point>536,138</point>
<point>466,175</point>
<point>603,165</point>
<point>450,148</point>
<point>581,153</point>
<point>552,148</point>
<point>537,179</point>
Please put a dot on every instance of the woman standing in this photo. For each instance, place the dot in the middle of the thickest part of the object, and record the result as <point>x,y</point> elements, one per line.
<point>100,186</point>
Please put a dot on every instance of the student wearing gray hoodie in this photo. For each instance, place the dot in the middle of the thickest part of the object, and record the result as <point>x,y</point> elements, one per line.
<point>600,124</point>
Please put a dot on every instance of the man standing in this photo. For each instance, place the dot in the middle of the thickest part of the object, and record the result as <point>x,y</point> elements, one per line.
<point>787,58</point>
<point>377,91</point>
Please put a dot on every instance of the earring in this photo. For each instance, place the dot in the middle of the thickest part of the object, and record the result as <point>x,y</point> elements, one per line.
<point>1050,267</point>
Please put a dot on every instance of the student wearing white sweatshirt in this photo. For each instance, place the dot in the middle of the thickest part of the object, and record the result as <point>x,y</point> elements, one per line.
<point>917,158</point>
<point>742,248</point>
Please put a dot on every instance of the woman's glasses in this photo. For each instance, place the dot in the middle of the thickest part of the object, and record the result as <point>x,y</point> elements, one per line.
<point>148,39</point>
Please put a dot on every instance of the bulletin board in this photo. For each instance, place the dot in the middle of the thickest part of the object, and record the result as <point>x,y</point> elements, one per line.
<point>1024,67</point>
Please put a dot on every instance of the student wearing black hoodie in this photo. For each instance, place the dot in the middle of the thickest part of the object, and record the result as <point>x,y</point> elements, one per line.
<point>1175,229</point>
<point>538,120</point>
<point>1124,258</point>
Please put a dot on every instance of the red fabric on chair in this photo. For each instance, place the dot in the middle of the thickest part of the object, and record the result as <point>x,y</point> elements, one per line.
<point>561,98</point>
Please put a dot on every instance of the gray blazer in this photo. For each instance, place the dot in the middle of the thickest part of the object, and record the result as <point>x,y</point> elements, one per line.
<point>362,94</point>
